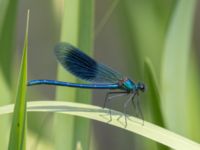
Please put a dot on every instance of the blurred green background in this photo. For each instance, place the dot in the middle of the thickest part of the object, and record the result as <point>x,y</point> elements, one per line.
<point>154,41</point>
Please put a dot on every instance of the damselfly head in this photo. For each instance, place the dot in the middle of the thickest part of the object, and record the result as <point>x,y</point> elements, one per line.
<point>141,86</point>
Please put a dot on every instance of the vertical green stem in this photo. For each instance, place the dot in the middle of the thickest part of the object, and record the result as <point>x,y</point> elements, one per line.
<point>64,126</point>
<point>82,126</point>
<point>77,29</point>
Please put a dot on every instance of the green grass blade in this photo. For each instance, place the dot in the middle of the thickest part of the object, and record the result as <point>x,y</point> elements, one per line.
<point>77,28</point>
<point>69,33</point>
<point>148,130</point>
<point>5,98</point>
<point>85,43</point>
<point>7,27</point>
<point>18,129</point>
<point>174,66</point>
<point>153,94</point>
<point>193,99</point>
<point>153,97</point>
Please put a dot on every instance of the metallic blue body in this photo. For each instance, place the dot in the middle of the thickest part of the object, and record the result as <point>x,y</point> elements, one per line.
<point>129,85</point>
<point>68,84</point>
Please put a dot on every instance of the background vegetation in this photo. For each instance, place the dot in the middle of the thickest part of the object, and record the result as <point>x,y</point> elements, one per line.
<point>149,40</point>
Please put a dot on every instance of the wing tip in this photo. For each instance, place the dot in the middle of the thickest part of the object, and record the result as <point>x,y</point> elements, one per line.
<point>59,47</point>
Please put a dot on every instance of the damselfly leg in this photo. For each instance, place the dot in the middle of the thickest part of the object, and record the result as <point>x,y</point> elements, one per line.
<point>126,104</point>
<point>137,108</point>
<point>110,96</point>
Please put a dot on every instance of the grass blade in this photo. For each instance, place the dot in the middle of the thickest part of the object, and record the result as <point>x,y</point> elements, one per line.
<point>18,129</point>
<point>69,33</point>
<point>77,28</point>
<point>193,99</point>
<point>85,43</point>
<point>174,66</point>
<point>153,94</point>
<point>148,130</point>
<point>153,100</point>
<point>5,97</point>
<point>7,28</point>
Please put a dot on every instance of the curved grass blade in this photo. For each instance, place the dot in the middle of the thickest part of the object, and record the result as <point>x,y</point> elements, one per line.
<point>153,94</point>
<point>153,100</point>
<point>134,125</point>
<point>18,129</point>
<point>175,66</point>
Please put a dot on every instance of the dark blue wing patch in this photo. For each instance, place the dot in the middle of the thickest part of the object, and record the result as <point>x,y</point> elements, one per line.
<point>76,61</point>
<point>83,66</point>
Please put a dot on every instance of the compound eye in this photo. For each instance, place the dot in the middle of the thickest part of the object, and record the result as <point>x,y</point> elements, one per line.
<point>142,87</point>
